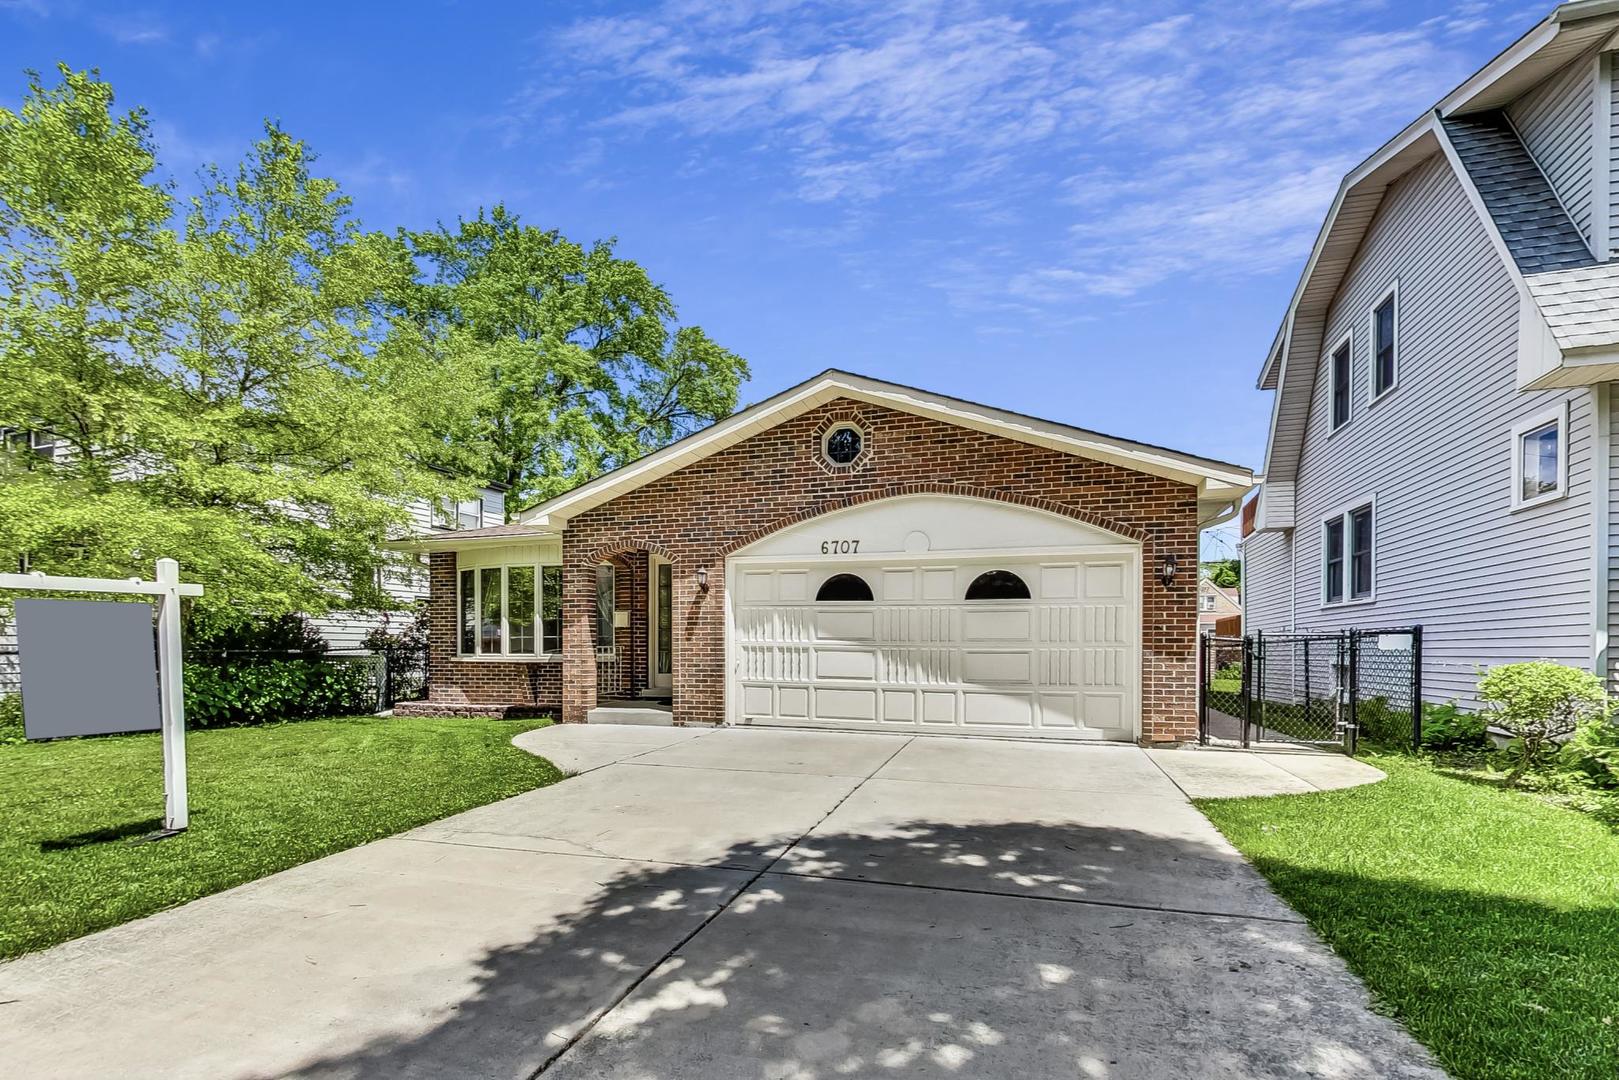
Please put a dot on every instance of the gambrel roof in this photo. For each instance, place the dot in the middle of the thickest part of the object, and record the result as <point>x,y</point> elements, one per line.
<point>1570,290</point>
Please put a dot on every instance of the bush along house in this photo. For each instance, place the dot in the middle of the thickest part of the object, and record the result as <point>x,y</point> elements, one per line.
<point>848,554</point>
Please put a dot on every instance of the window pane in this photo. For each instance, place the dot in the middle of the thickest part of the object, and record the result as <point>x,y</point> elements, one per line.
<point>489,609</point>
<point>1384,350</point>
<point>1334,570</point>
<point>1360,550</point>
<point>520,607</point>
<point>665,645</point>
<point>1540,462</point>
<point>997,585</point>
<point>551,609</point>
<point>469,515</point>
<point>469,611</point>
<point>842,587</point>
<point>606,601</point>
<point>1340,386</point>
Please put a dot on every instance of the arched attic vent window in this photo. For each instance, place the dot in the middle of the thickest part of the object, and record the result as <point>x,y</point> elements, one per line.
<point>843,587</point>
<point>997,585</point>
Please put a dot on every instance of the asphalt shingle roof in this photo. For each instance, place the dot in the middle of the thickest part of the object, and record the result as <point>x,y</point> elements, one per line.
<point>1537,230</point>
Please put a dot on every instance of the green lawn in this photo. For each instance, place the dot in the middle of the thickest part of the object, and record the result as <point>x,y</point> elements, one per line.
<point>1486,920</point>
<point>262,799</point>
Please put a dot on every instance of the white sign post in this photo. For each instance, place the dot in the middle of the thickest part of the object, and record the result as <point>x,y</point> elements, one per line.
<point>168,590</point>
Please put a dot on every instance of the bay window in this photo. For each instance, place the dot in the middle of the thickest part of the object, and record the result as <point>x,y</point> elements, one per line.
<point>509,610</point>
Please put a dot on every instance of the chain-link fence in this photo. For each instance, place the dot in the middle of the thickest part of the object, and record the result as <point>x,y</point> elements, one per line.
<point>1316,689</point>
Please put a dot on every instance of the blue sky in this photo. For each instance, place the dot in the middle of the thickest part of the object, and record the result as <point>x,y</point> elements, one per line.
<point>1092,212</point>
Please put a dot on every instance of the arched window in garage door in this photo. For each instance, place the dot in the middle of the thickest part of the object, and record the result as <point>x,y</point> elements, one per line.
<point>997,585</point>
<point>843,587</point>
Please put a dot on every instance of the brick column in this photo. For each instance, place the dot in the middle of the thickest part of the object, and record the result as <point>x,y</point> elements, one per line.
<point>578,636</point>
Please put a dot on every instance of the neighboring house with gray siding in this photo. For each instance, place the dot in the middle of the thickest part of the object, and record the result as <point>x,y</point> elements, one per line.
<point>1441,442</point>
<point>406,581</point>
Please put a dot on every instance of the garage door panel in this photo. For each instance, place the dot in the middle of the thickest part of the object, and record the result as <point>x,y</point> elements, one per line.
<point>1104,711</point>
<point>899,706</point>
<point>1059,582</point>
<point>845,664</point>
<point>845,625</point>
<point>939,707</point>
<point>995,667</point>
<point>847,705</point>
<point>1011,625</point>
<point>1059,711</point>
<point>987,709</point>
<point>917,667</point>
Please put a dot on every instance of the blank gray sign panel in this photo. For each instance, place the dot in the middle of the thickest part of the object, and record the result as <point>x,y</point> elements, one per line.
<point>89,667</point>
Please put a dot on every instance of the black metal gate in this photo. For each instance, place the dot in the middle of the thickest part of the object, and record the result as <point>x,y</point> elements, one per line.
<point>1325,690</point>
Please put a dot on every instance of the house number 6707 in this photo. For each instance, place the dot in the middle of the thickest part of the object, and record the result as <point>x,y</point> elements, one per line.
<point>839,547</point>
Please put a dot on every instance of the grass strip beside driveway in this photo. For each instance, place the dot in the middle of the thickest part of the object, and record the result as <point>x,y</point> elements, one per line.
<point>262,799</point>
<point>1484,919</point>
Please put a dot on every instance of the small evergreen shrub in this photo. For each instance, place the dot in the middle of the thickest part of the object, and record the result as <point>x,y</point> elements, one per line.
<point>1540,702</point>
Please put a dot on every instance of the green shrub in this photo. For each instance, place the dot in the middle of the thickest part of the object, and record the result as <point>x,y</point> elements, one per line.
<point>1592,753</point>
<point>1447,727</point>
<point>1539,702</point>
<point>1382,723</point>
<point>264,691</point>
<point>11,729</point>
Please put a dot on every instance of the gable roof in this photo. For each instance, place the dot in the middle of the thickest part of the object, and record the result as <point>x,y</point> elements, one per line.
<point>1537,241</point>
<point>1220,484</point>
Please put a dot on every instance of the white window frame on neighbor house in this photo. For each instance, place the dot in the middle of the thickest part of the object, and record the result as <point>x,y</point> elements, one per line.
<point>1388,295</point>
<point>505,652</point>
<point>1345,345</point>
<point>1346,573</point>
<point>1556,415</point>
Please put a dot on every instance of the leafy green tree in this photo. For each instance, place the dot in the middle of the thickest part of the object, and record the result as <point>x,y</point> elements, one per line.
<point>1226,573</point>
<point>585,366</point>
<point>231,396</point>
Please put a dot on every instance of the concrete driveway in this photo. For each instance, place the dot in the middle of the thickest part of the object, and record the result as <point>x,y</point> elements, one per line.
<point>741,903</point>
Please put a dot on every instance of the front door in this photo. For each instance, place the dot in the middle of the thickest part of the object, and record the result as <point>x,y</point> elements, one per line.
<point>660,627</point>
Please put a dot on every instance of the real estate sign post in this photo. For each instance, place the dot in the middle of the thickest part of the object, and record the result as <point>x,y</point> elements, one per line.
<point>58,639</point>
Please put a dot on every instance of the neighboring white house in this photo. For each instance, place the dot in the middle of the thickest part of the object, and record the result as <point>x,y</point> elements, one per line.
<point>1441,441</point>
<point>406,581</point>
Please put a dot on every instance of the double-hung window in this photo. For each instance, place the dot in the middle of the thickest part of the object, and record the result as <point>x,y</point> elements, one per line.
<point>1348,556</point>
<point>1385,332</point>
<point>509,610</point>
<point>1540,458</point>
<point>1339,368</point>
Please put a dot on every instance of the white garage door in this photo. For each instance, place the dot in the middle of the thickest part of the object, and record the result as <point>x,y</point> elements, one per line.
<point>947,642</point>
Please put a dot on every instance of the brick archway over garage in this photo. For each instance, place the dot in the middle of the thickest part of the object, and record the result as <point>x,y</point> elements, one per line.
<point>1128,532</point>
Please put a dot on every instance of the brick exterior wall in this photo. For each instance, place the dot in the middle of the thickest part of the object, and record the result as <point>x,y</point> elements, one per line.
<point>696,516</point>
<point>458,687</point>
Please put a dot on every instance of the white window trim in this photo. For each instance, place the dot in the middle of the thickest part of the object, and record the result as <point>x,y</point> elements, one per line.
<point>826,439</point>
<point>1557,414</point>
<point>1342,514</point>
<point>1347,341</point>
<point>505,652</point>
<point>1373,396</point>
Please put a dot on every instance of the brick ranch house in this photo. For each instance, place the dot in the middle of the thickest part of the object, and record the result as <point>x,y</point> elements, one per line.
<point>848,554</point>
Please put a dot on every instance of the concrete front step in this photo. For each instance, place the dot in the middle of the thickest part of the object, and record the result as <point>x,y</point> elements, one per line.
<point>646,713</point>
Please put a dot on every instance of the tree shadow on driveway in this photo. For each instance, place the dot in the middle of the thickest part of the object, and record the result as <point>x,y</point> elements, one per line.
<point>931,950</point>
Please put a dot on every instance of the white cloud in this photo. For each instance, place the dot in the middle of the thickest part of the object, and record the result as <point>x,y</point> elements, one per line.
<point>1160,137</point>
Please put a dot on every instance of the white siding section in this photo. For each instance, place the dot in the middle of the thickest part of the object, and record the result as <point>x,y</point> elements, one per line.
<point>1613,537</point>
<point>1612,90</point>
<point>1266,575</point>
<point>1488,585</point>
<point>1555,121</point>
